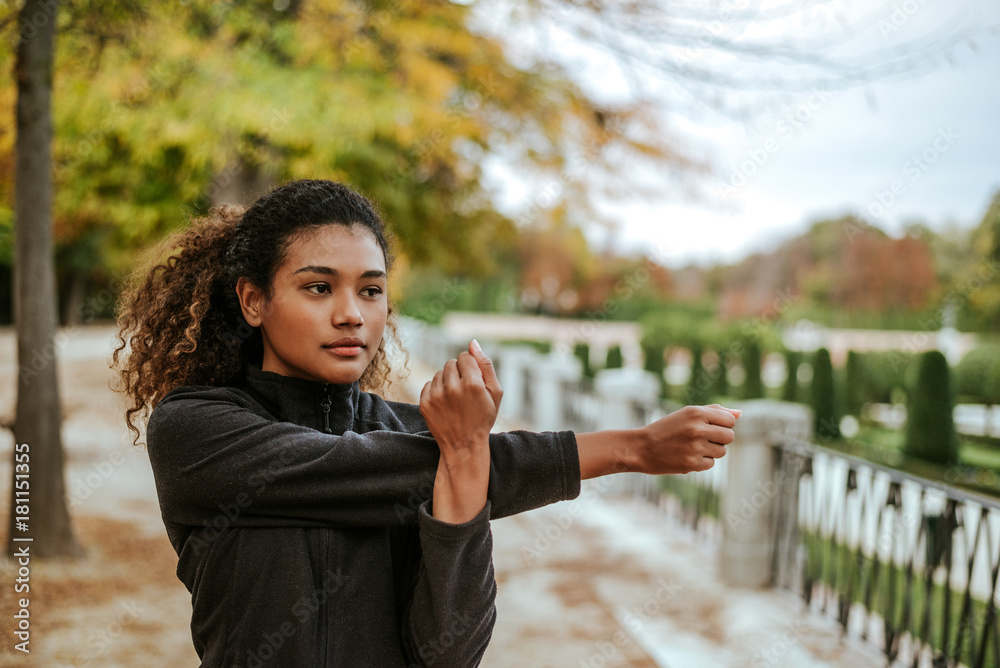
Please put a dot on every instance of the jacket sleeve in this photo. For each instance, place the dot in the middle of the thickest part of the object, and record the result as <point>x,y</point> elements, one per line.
<point>216,461</point>
<point>451,616</point>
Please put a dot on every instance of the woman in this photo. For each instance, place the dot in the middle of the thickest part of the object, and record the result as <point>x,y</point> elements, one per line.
<point>316,523</point>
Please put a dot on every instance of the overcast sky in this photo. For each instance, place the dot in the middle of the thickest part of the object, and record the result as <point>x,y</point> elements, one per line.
<point>933,137</point>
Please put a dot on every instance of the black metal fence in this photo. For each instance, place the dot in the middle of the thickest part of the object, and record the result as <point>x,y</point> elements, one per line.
<point>900,561</point>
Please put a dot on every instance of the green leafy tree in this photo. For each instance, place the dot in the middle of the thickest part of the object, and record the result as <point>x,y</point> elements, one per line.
<point>824,397</point>
<point>985,301</point>
<point>930,430</point>
<point>164,109</point>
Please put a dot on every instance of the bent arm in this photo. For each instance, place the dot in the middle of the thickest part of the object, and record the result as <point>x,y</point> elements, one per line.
<point>450,619</point>
<point>219,458</point>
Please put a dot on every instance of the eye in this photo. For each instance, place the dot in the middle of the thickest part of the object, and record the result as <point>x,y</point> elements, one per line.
<point>319,288</point>
<point>373,291</point>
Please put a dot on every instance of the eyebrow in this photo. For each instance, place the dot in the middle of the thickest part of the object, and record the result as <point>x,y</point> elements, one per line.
<point>371,273</point>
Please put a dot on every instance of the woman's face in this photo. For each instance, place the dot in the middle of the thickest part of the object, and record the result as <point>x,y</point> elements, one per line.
<point>326,316</point>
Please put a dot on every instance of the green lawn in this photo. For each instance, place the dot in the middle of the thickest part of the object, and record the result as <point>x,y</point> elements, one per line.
<point>979,469</point>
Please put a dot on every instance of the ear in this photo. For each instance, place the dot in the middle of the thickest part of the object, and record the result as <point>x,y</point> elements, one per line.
<point>252,300</point>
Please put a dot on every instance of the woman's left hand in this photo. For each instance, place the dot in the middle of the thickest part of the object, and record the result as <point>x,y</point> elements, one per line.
<point>460,405</point>
<point>461,402</point>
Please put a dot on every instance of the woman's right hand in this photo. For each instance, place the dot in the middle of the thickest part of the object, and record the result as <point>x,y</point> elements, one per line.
<point>689,439</point>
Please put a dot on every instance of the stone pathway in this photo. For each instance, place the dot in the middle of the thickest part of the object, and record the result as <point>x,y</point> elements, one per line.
<point>602,582</point>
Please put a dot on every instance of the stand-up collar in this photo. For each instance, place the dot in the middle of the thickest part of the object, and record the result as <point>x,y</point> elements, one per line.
<point>322,406</point>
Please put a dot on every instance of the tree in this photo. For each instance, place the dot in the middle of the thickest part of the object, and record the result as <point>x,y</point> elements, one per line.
<point>791,390</point>
<point>753,388</point>
<point>824,398</point>
<point>986,245</point>
<point>930,430</point>
<point>163,109</point>
<point>38,417</point>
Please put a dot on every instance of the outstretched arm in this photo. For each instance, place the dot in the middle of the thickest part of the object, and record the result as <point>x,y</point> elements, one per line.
<point>690,439</point>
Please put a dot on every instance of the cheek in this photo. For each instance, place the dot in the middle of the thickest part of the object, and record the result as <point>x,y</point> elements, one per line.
<point>378,317</point>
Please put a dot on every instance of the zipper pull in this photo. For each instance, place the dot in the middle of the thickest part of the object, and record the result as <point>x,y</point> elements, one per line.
<point>326,404</point>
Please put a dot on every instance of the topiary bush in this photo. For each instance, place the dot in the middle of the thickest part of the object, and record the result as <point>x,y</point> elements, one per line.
<point>700,383</point>
<point>582,352</point>
<point>884,374</point>
<point>720,376</point>
<point>930,430</point>
<point>974,373</point>
<point>824,397</point>
<point>791,390</point>
<point>854,384</point>
<point>753,388</point>
<point>614,359</point>
<point>653,361</point>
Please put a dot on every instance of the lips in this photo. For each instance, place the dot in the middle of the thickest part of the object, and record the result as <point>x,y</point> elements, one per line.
<point>347,347</point>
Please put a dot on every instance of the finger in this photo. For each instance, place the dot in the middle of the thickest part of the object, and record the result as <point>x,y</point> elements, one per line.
<point>437,384</point>
<point>735,412</point>
<point>715,451</point>
<point>450,370</point>
<point>720,435</point>
<point>468,367</point>
<point>425,392</point>
<point>487,369</point>
<point>720,416</point>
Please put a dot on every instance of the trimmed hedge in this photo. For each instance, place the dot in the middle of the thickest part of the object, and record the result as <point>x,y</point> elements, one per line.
<point>753,388</point>
<point>930,430</point>
<point>824,397</point>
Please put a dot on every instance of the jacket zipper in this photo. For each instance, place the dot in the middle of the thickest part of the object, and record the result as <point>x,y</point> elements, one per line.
<point>326,404</point>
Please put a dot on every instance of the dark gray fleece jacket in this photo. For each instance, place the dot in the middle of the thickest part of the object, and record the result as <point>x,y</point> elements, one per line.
<point>301,520</point>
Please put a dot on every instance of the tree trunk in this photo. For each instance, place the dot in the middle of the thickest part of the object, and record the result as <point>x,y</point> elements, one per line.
<point>41,514</point>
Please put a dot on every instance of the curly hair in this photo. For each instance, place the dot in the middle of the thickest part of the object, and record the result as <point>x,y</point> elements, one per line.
<point>180,321</point>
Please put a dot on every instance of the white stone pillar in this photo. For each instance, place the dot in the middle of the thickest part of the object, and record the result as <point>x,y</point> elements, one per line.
<point>513,360</point>
<point>754,487</point>
<point>619,389</point>
<point>548,375</point>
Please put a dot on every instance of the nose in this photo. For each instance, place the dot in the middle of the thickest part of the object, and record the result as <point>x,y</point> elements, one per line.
<point>346,312</point>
